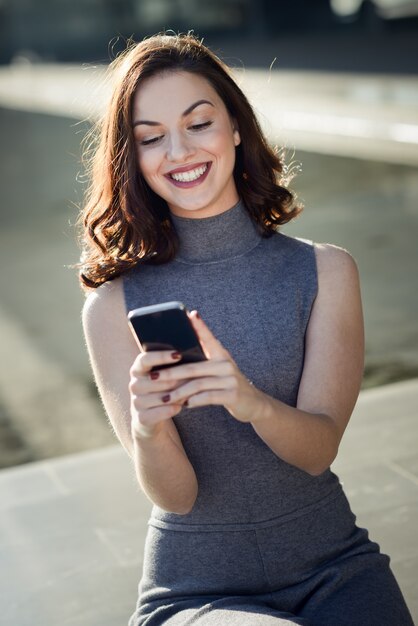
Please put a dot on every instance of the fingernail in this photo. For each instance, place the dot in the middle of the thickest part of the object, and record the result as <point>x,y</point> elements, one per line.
<point>186,403</point>
<point>175,355</point>
<point>197,315</point>
<point>154,375</point>
<point>166,398</point>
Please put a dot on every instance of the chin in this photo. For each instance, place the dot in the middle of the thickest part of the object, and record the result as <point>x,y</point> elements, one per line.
<point>192,206</point>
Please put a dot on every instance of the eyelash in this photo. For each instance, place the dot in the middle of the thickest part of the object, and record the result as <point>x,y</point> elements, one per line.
<point>201,126</point>
<point>147,142</point>
<point>195,127</point>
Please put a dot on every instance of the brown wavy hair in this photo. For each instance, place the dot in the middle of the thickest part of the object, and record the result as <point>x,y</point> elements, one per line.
<point>123,221</point>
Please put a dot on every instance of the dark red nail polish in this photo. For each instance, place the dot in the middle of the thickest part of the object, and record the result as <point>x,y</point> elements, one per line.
<point>186,403</point>
<point>198,316</point>
<point>175,355</point>
<point>154,375</point>
<point>166,398</point>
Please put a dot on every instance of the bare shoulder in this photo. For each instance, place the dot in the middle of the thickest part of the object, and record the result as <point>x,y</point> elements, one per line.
<point>106,296</point>
<point>335,265</point>
<point>330,255</point>
<point>105,325</point>
<point>104,305</point>
<point>339,289</point>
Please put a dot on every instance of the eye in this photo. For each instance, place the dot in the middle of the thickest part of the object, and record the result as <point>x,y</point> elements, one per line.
<point>148,142</point>
<point>197,127</point>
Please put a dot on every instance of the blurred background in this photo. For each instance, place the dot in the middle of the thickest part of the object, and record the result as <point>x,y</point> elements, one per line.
<point>335,82</point>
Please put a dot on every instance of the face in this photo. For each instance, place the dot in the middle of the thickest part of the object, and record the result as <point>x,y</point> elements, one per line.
<point>186,144</point>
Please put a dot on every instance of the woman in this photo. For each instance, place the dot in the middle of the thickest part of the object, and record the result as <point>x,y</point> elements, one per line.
<point>249,525</point>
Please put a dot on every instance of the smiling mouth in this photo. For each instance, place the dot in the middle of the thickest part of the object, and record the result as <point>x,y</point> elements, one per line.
<point>191,175</point>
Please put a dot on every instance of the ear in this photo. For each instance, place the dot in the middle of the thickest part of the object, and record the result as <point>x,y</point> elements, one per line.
<point>237,136</point>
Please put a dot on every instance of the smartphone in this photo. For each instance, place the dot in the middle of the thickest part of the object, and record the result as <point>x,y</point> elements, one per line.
<point>166,326</point>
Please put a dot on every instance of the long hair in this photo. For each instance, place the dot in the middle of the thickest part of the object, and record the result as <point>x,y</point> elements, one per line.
<point>123,221</point>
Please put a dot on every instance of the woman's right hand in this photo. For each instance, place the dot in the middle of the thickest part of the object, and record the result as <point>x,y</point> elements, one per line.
<point>149,413</point>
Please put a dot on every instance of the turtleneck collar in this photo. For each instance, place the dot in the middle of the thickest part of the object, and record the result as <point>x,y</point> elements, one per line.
<point>215,239</point>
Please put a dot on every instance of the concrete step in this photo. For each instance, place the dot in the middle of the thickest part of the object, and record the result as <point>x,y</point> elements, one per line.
<point>72,529</point>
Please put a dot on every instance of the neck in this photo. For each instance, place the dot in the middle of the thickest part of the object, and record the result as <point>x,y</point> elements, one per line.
<point>218,238</point>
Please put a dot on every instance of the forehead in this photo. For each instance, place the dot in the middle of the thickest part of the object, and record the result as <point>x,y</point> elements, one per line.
<point>172,93</point>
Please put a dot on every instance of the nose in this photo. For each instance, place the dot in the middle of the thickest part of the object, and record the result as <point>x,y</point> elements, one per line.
<point>179,148</point>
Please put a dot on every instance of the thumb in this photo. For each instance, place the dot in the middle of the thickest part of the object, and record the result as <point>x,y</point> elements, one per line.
<point>212,348</point>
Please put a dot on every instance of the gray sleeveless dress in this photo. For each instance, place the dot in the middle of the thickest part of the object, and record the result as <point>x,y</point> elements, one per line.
<point>265,543</point>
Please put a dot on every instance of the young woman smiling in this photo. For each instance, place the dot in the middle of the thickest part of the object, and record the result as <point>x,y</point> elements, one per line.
<point>249,524</point>
<point>190,147</point>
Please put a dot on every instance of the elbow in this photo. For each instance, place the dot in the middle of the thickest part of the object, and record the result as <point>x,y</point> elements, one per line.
<point>182,508</point>
<point>317,470</point>
<point>324,459</point>
<point>183,511</point>
<point>188,506</point>
<point>323,464</point>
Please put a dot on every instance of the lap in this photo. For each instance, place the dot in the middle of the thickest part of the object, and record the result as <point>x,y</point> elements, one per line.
<point>231,611</point>
<point>358,594</point>
<point>356,591</point>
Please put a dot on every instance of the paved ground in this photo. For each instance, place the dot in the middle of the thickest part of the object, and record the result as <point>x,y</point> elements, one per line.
<point>72,529</point>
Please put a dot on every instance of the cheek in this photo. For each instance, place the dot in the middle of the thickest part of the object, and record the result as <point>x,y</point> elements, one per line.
<point>229,152</point>
<point>221,143</point>
<point>148,164</point>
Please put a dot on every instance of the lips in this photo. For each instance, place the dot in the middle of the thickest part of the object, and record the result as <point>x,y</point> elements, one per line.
<point>189,176</point>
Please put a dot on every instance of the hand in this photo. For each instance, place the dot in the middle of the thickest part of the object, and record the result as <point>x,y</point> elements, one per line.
<point>149,407</point>
<point>215,381</point>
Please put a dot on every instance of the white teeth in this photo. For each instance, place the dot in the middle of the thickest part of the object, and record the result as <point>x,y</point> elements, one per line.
<point>187,177</point>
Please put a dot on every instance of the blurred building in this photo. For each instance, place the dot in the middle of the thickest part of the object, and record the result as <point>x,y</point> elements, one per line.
<point>317,33</point>
<point>73,30</point>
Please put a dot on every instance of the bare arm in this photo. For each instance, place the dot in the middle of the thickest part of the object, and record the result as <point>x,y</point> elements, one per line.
<point>309,435</point>
<point>161,464</point>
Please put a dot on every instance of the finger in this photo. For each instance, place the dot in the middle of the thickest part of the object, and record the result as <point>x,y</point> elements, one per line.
<point>142,423</point>
<point>212,347</point>
<point>145,361</point>
<point>144,402</point>
<point>193,370</point>
<point>221,397</point>
<point>151,383</point>
<point>196,386</point>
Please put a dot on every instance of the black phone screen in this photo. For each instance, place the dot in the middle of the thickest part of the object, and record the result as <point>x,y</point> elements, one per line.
<point>167,329</point>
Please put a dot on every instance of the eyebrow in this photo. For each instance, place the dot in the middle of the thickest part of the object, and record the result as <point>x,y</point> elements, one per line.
<point>184,114</point>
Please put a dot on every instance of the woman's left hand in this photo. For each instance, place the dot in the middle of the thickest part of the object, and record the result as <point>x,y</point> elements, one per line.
<point>215,381</point>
